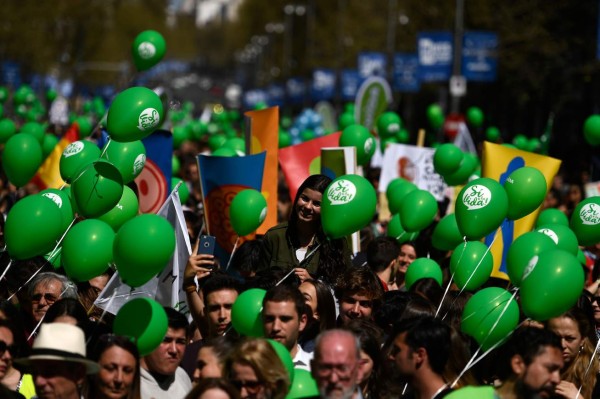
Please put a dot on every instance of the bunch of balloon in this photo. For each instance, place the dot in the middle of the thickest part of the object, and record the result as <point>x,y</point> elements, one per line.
<point>348,205</point>
<point>306,126</point>
<point>453,165</point>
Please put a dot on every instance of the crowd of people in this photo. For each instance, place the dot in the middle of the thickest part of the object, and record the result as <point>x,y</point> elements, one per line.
<point>349,320</point>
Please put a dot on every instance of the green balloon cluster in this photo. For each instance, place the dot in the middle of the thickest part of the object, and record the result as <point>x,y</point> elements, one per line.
<point>348,205</point>
<point>453,165</point>
<point>145,321</point>
<point>396,190</point>
<point>129,158</point>
<point>147,49</point>
<point>246,313</point>
<point>247,211</point>
<point>359,137</point>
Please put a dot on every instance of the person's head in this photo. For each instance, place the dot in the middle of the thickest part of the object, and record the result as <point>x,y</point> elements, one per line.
<point>371,339</point>
<point>382,252</point>
<point>213,388</point>
<point>220,292</point>
<point>8,347</point>
<point>119,375</point>
<point>418,344</point>
<point>318,297</point>
<point>45,289</point>
<point>595,301</point>
<point>284,315</point>
<point>58,361</point>
<point>336,364</point>
<point>211,358</point>
<point>256,370</point>
<point>408,253</point>
<point>533,359</point>
<point>429,289</point>
<point>168,355</point>
<point>246,258</point>
<point>359,292</point>
<point>573,327</point>
<point>307,204</point>
<point>67,310</point>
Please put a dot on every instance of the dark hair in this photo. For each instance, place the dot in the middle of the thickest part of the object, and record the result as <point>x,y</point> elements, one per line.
<point>222,346</point>
<point>176,320</point>
<point>527,342</point>
<point>381,251</point>
<point>67,307</point>
<point>219,281</point>
<point>325,304</point>
<point>429,333</point>
<point>359,280</point>
<point>213,383</point>
<point>370,337</point>
<point>331,254</point>
<point>245,259</point>
<point>429,289</point>
<point>18,339</point>
<point>107,341</point>
<point>286,293</point>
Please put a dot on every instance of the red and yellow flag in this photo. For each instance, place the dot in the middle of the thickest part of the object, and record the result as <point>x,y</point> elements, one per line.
<point>48,175</point>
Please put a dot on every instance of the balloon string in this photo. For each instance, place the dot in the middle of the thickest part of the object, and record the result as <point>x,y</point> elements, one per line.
<point>479,263</point>
<point>587,370</point>
<point>83,170</point>
<point>308,255</point>
<point>450,283</point>
<point>232,252</point>
<point>105,147</point>
<point>53,253</point>
<point>400,236</point>
<point>27,282</point>
<point>103,313</point>
<point>6,270</point>
<point>36,327</point>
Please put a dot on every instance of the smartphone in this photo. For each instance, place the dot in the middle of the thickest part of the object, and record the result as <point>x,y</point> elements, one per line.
<point>207,245</point>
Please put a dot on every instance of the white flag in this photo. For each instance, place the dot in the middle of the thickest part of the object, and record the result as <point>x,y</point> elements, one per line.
<point>463,139</point>
<point>166,287</point>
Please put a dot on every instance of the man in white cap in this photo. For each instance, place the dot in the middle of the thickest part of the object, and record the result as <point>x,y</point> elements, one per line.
<point>58,362</point>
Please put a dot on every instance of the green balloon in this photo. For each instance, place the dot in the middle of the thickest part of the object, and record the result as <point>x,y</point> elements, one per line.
<point>54,258</point>
<point>422,268</point>
<point>585,221</point>
<point>3,94</point>
<point>447,159</point>
<point>563,237</point>
<point>346,119</point>
<point>236,144</point>
<point>216,141</point>
<point>552,216</point>
<point>63,202</point>
<point>526,189</point>
<point>348,205</point>
<point>224,152</point>
<point>522,250</point>
<point>472,392</point>
<point>143,320</point>
<point>481,206</point>
<point>35,129</point>
<point>246,313</point>
<point>581,257</point>
<point>127,208</point>
<point>22,157</point>
<point>198,129</point>
<point>435,115</point>
<point>520,141</point>
<point>175,164</point>
<point>247,212</point>
<point>33,227</point>
<point>87,249</point>
<point>143,246</point>
<point>417,210</point>
<point>97,189</point>
<point>552,283</point>
<point>492,134</point>
<point>147,49</point>
<point>395,229</point>
<point>180,134</point>
<point>403,136</point>
<point>286,122</point>
<point>446,235</point>
<point>85,126</point>
<point>591,130</point>
<point>475,116</point>
<point>303,386</point>
<point>388,124</point>
<point>490,316</point>
<point>359,136</point>
<point>533,145</point>
<point>466,169</point>
<point>51,95</point>
<point>48,143</point>
<point>284,355</point>
<point>7,130</point>
<point>396,190</point>
<point>212,128</point>
<point>307,135</point>
<point>471,264</point>
<point>184,192</point>
<point>285,139</point>
<point>134,114</point>
<point>75,157</point>
<point>129,158</point>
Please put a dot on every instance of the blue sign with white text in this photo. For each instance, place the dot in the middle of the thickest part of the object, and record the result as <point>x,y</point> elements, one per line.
<point>372,64</point>
<point>253,97</point>
<point>480,56</point>
<point>276,94</point>
<point>350,81</point>
<point>435,56</point>
<point>405,74</point>
<point>296,89</point>
<point>323,84</point>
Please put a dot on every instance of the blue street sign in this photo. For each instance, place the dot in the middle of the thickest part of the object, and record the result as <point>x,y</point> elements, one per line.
<point>372,64</point>
<point>323,84</point>
<point>479,56</point>
<point>350,81</point>
<point>405,74</point>
<point>435,55</point>
<point>296,89</point>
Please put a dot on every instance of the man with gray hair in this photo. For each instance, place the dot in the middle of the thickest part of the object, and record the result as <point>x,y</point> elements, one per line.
<point>45,289</point>
<point>335,365</point>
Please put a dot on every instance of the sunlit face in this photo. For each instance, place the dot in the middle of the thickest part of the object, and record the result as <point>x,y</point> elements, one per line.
<point>282,323</point>
<point>207,365</point>
<point>44,295</point>
<point>542,375</point>
<point>244,377</point>
<point>570,336</point>
<point>6,357</point>
<point>403,356</point>
<point>99,282</point>
<point>335,367</point>
<point>166,358</point>
<point>308,206</point>
<point>406,257</point>
<point>310,297</point>
<point>355,306</point>
<point>117,372</point>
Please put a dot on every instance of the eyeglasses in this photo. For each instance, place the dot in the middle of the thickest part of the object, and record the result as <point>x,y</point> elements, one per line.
<point>251,386</point>
<point>50,298</point>
<point>326,370</point>
<point>12,349</point>
<point>596,299</point>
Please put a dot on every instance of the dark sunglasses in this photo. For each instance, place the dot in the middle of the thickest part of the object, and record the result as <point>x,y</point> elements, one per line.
<point>596,299</point>
<point>12,349</point>
<point>48,297</point>
<point>251,386</point>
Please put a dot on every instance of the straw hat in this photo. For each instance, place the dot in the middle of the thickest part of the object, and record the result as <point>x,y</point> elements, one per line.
<point>59,341</point>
